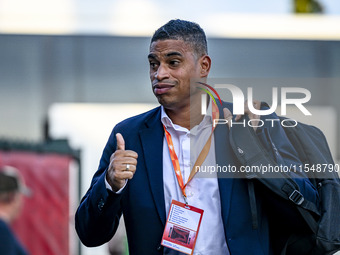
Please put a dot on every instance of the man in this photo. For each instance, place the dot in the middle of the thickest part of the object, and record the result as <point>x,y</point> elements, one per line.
<point>136,174</point>
<point>11,202</point>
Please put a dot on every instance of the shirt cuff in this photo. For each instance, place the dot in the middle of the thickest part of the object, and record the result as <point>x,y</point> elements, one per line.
<point>108,186</point>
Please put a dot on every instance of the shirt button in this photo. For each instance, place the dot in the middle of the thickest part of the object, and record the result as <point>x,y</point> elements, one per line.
<point>189,192</point>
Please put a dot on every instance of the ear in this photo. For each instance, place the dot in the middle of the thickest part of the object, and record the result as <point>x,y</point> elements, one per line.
<point>7,197</point>
<point>205,63</point>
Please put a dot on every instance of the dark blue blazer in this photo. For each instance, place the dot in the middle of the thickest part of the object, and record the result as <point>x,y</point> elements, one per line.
<point>9,244</point>
<point>142,200</point>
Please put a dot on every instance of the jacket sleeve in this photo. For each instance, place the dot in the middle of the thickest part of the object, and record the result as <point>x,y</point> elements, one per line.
<point>98,214</point>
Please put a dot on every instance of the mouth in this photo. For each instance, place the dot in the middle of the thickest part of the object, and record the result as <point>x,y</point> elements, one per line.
<point>162,88</point>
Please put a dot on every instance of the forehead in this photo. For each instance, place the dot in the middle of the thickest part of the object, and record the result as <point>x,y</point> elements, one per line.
<point>164,47</point>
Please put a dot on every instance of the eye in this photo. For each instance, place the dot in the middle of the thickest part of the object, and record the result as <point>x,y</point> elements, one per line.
<point>174,62</point>
<point>153,65</point>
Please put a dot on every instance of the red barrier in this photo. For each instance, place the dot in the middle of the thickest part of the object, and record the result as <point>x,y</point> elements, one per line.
<point>43,226</point>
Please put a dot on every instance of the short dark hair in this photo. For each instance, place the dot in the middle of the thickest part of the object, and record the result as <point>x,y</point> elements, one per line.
<point>12,181</point>
<point>187,31</point>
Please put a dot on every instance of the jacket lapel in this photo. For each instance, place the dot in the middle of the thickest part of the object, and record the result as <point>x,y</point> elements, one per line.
<point>152,143</point>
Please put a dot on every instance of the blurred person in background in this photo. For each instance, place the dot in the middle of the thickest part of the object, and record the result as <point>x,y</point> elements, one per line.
<point>12,189</point>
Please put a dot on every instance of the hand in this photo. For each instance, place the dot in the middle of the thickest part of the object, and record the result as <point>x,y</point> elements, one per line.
<point>255,118</point>
<point>122,165</point>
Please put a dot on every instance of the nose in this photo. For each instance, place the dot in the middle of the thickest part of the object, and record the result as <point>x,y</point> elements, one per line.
<point>162,73</point>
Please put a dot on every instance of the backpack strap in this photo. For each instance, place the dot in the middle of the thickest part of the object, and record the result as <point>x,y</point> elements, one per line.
<point>253,207</point>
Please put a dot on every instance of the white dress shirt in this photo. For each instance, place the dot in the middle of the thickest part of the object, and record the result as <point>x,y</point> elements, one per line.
<point>201,192</point>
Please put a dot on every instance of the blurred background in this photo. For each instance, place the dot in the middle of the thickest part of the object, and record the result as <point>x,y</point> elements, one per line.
<point>70,70</point>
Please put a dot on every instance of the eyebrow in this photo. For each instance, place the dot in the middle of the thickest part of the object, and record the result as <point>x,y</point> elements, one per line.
<point>152,56</point>
<point>170,54</point>
<point>175,53</point>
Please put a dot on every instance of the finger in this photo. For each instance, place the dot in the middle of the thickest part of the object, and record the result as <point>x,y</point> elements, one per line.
<point>122,162</point>
<point>227,115</point>
<point>246,111</point>
<point>124,154</point>
<point>246,107</point>
<point>130,168</point>
<point>124,175</point>
<point>238,117</point>
<point>257,104</point>
<point>121,168</point>
<point>120,142</point>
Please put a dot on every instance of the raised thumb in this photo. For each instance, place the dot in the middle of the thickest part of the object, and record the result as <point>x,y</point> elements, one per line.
<point>120,142</point>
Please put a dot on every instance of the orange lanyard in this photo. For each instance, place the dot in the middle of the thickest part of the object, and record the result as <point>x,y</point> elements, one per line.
<point>201,157</point>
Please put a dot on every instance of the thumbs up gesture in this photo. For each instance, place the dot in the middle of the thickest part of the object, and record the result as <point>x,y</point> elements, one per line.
<point>122,165</point>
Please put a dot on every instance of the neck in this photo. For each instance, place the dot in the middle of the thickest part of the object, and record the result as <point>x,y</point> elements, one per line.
<point>187,116</point>
<point>5,216</point>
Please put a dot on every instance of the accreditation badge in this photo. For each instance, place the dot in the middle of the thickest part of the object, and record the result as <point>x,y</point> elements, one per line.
<point>182,227</point>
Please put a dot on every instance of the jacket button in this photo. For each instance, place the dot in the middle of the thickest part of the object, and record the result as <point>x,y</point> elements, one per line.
<point>101,204</point>
<point>159,248</point>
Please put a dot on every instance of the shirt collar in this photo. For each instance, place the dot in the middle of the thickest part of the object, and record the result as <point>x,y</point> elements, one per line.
<point>206,122</point>
<point>167,122</point>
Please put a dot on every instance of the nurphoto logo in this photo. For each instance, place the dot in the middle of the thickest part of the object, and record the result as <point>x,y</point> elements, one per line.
<point>238,100</point>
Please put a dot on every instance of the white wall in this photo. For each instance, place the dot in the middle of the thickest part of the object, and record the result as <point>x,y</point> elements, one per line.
<point>87,127</point>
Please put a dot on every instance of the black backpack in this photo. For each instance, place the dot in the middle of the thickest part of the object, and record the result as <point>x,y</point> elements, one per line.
<point>312,148</point>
